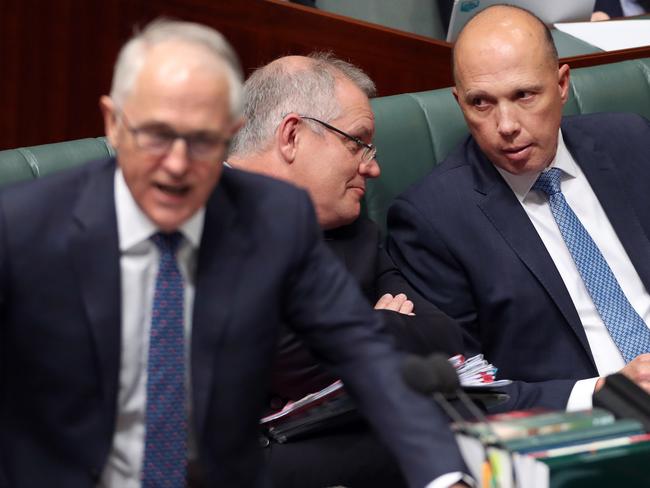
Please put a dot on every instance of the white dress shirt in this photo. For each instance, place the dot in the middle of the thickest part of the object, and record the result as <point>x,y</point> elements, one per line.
<point>585,205</point>
<point>139,258</point>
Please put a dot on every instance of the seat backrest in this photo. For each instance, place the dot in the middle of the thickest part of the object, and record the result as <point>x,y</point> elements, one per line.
<point>32,162</point>
<point>416,16</point>
<point>416,131</point>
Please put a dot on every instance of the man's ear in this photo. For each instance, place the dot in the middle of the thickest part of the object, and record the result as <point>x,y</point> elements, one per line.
<point>109,113</point>
<point>454,92</point>
<point>288,137</point>
<point>564,82</point>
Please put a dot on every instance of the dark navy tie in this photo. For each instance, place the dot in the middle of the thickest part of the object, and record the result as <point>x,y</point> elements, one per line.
<point>625,326</point>
<point>165,456</point>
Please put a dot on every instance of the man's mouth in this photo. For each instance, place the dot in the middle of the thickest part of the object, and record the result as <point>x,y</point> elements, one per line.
<point>359,189</point>
<point>173,190</point>
<point>517,152</point>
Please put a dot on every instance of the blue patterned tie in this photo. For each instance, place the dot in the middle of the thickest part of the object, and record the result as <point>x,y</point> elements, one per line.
<point>625,326</point>
<point>166,424</point>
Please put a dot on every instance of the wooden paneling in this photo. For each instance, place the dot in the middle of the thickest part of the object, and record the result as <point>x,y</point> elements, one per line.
<point>56,57</point>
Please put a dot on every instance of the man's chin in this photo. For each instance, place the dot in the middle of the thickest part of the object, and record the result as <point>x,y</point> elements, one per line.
<point>169,221</point>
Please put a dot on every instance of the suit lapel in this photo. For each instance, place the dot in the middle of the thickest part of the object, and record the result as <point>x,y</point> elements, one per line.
<point>224,245</point>
<point>94,251</point>
<point>601,172</point>
<point>503,210</point>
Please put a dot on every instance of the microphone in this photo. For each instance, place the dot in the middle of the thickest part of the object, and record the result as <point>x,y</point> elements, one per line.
<point>435,376</point>
<point>427,379</point>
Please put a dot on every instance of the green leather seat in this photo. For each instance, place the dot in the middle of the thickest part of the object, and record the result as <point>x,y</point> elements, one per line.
<point>415,131</point>
<point>416,16</point>
<point>32,162</point>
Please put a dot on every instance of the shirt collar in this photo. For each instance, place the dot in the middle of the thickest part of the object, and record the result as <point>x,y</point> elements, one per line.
<point>134,226</point>
<point>521,184</point>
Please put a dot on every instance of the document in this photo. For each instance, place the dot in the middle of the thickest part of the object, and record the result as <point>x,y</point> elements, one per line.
<point>610,35</point>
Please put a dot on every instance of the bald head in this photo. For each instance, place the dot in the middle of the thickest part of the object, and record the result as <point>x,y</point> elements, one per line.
<point>500,28</point>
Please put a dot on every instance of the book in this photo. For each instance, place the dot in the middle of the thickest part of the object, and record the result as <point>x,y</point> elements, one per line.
<point>605,463</point>
<point>592,447</point>
<point>623,427</point>
<point>623,465</point>
<point>537,422</point>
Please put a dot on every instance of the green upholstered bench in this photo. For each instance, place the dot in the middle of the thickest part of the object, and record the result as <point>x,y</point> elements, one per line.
<point>32,162</point>
<point>415,131</point>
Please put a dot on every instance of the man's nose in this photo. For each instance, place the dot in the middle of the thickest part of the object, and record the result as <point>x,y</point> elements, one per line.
<point>369,168</point>
<point>177,160</point>
<point>507,120</point>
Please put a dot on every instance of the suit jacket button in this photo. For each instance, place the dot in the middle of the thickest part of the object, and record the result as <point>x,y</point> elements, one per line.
<point>264,441</point>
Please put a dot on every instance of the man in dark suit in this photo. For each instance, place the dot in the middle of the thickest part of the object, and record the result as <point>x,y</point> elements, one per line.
<point>309,122</point>
<point>141,297</point>
<point>480,237</point>
<point>607,9</point>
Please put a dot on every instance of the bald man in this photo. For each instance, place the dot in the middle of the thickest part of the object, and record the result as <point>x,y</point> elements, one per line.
<point>533,233</point>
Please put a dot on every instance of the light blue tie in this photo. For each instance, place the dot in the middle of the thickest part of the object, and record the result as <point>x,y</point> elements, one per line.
<point>165,456</point>
<point>625,326</point>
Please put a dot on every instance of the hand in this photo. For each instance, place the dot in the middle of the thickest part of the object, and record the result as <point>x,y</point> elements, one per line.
<point>398,303</point>
<point>637,370</point>
<point>598,15</point>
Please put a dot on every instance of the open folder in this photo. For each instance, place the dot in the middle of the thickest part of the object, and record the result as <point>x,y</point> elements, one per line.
<point>332,406</point>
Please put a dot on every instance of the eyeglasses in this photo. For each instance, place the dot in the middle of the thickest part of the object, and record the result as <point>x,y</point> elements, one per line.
<point>369,150</point>
<point>158,140</point>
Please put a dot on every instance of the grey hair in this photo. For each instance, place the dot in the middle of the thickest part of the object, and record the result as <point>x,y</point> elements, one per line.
<point>132,56</point>
<point>273,91</point>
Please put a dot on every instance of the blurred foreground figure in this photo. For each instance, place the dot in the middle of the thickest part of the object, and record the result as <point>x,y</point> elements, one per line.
<point>141,297</point>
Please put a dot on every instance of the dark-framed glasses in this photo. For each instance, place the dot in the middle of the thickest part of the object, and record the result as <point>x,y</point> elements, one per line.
<point>158,139</point>
<point>369,151</point>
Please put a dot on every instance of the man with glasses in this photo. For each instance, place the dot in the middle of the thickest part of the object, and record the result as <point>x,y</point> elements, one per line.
<point>141,297</point>
<point>309,122</point>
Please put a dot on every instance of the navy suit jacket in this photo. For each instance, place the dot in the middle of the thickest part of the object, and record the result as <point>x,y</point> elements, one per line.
<point>464,241</point>
<point>262,262</point>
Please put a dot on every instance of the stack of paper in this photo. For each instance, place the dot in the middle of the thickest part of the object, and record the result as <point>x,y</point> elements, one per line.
<point>476,372</point>
<point>328,393</point>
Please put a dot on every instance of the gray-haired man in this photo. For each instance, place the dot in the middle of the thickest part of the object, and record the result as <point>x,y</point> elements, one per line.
<point>309,122</point>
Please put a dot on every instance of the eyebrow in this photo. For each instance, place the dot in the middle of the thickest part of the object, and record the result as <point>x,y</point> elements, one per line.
<point>476,93</point>
<point>361,132</point>
<point>536,88</point>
